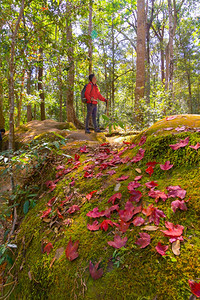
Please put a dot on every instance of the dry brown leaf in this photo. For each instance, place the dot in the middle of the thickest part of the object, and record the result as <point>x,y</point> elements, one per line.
<point>176,247</point>
<point>150,228</point>
<point>138,170</point>
<point>29,275</point>
<point>58,254</point>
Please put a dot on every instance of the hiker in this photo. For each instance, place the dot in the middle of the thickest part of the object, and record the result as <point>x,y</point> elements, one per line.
<point>92,94</point>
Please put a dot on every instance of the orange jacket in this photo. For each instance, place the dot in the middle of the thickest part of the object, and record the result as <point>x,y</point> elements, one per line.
<point>93,92</point>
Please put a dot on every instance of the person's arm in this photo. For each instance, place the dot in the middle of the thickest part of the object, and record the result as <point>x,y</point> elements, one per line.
<point>100,97</point>
<point>88,92</point>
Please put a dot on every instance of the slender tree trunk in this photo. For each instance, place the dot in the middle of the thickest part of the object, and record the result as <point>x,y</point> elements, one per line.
<point>167,67</point>
<point>60,86</point>
<point>20,99</point>
<point>11,78</point>
<point>29,108</point>
<point>140,62</point>
<point>2,119</point>
<point>40,85</point>
<point>113,71</point>
<point>162,59</point>
<point>71,116</point>
<point>171,49</point>
<point>90,37</point>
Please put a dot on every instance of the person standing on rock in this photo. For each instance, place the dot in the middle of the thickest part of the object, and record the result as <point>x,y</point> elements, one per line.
<point>92,94</point>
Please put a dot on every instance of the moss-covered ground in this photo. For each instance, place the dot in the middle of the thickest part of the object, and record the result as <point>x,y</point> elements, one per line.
<point>129,272</point>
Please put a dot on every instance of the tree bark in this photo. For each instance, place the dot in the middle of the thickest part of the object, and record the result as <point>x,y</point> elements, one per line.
<point>113,70</point>
<point>140,61</point>
<point>2,119</point>
<point>29,108</point>
<point>40,85</point>
<point>11,78</point>
<point>90,37</point>
<point>171,49</point>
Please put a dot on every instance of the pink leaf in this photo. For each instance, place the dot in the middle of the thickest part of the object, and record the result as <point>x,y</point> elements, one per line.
<point>181,144</point>
<point>111,172</point>
<point>126,215</point>
<point>143,140</point>
<point>60,167</point>
<point>151,184</point>
<point>48,248</point>
<point>138,221</point>
<point>132,146</point>
<point>139,156</point>
<point>123,226</point>
<point>169,128</point>
<point>122,178</point>
<point>173,230</point>
<point>178,204</point>
<point>94,226</point>
<point>95,213</point>
<point>151,164</point>
<point>94,271</point>
<point>118,242</point>
<point>88,175</point>
<point>76,157</point>
<point>196,147</point>
<point>171,118</point>
<point>83,149</point>
<point>133,185</point>
<point>138,178</point>
<point>157,195</point>
<point>135,196</point>
<point>73,208</point>
<point>114,197</point>
<point>50,203</point>
<point>105,223</point>
<point>180,128</point>
<point>161,249</point>
<point>176,191</point>
<point>195,287</point>
<point>166,166</point>
<point>144,240</point>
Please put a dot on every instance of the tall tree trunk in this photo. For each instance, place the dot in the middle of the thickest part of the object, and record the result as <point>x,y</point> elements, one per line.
<point>140,61</point>
<point>19,108</point>
<point>60,86</point>
<point>167,67</point>
<point>40,85</point>
<point>162,58</point>
<point>113,70</point>
<point>90,37</point>
<point>2,119</point>
<point>29,108</point>
<point>11,78</point>
<point>71,116</point>
<point>171,48</point>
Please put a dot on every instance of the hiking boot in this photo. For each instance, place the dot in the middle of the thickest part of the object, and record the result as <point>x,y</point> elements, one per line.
<point>87,131</point>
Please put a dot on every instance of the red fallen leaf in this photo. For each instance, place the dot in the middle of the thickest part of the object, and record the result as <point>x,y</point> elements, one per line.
<point>161,249</point>
<point>127,214</point>
<point>173,230</point>
<point>89,196</point>
<point>126,143</point>
<point>138,221</point>
<point>118,242</point>
<point>138,177</point>
<point>178,204</point>
<point>51,185</point>
<point>125,160</point>
<point>94,271</point>
<point>94,226</point>
<point>111,172</point>
<point>105,223</point>
<point>137,210</point>
<point>196,147</point>
<point>46,213</point>
<point>59,174</point>
<point>142,140</point>
<point>88,175</point>
<point>122,178</point>
<point>195,287</point>
<point>122,151</point>
<point>139,156</point>
<point>135,196</point>
<point>151,164</point>
<point>59,214</point>
<point>151,184</point>
<point>105,144</point>
<point>73,208</point>
<point>144,240</point>
<point>148,211</point>
<point>114,197</point>
<point>181,144</point>
<point>157,195</point>
<point>83,149</point>
<point>133,185</point>
<point>154,214</point>
<point>132,146</point>
<point>72,183</point>
<point>60,167</point>
<point>99,175</point>
<point>76,157</point>
<point>67,199</point>
<point>150,170</point>
<point>48,248</point>
<point>68,170</point>
<point>180,128</point>
<point>95,213</point>
<point>166,166</point>
<point>50,202</point>
<point>123,226</point>
<point>71,250</point>
<point>171,118</point>
<point>168,128</point>
<point>176,191</point>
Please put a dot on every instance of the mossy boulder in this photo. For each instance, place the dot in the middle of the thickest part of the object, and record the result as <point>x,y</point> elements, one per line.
<point>130,272</point>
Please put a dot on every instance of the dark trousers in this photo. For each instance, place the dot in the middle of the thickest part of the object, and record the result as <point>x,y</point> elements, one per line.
<point>91,111</point>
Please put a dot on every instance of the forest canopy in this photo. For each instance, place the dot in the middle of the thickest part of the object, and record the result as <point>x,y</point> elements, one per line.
<point>48,49</point>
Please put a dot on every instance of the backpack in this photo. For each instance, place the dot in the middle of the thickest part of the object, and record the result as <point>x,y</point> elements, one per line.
<point>83,99</point>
